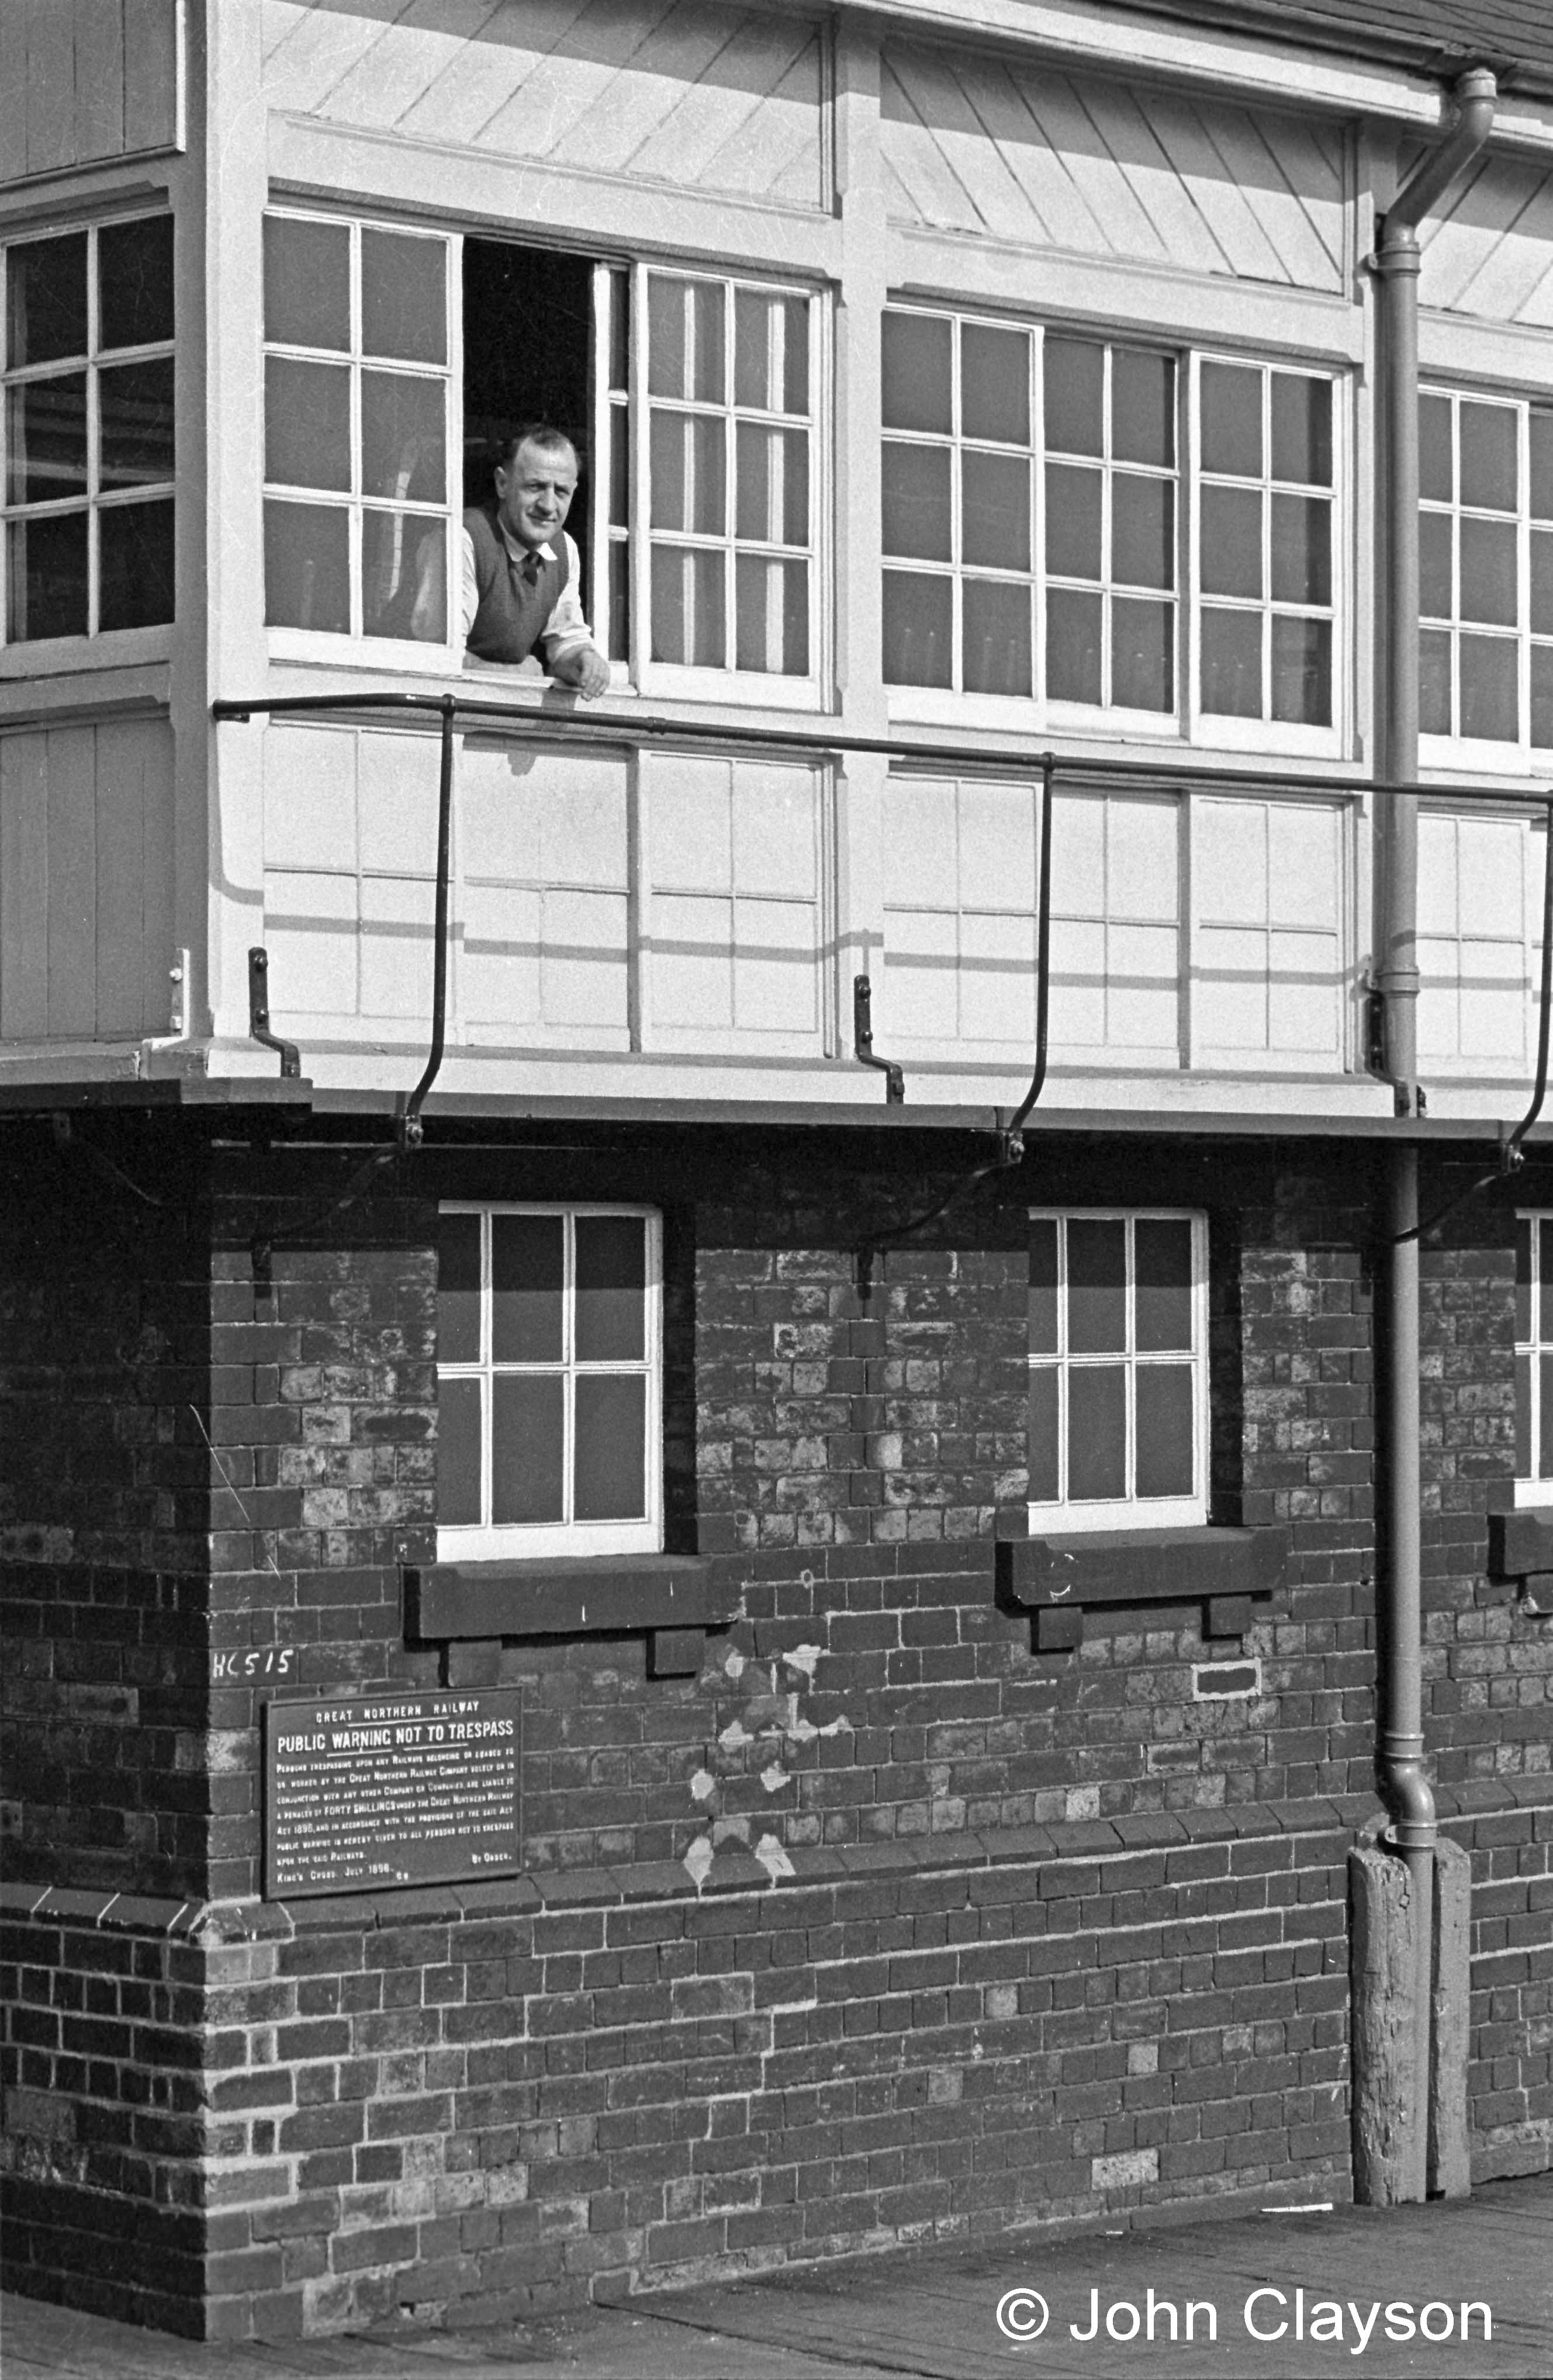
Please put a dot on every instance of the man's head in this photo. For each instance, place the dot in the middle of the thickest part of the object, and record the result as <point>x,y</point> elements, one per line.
<point>535,483</point>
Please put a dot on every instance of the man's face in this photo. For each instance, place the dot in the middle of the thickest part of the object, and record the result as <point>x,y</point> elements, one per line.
<point>534,492</point>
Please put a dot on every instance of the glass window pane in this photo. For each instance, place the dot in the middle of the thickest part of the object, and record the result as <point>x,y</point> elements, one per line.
<point>994,498</point>
<point>1143,655</point>
<point>1096,1286</point>
<point>1541,582</point>
<point>135,565</point>
<point>771,615</point>
<point>527,1274</point>
<point>918,630</point>
<point>1544,1281</point>
<point>689,472</point>
<point>45,578</point>
<point>1143,531</point>
<point>1044,1481</point>
<point>1490,476</point>
<point>1163,1462</point>
<point>457,1308</point>
<point>1230,561</point>
<point>1302,409</point>
<point>1301,555</point>
<point>611,1447</point>
<point>685,343</point>
<point>135,417</point>
<point>404,297</point>
<point>1096,1432</point>
<point>1544,1416</point>
<point>1434,682</point>
<point>1488,571</point>
<point>1073,383</point>
<point>772,503</point>
<point>795,355</point>
<point>1437,466</point>
<point>995,631</point>
<point>1162,1253</point>
<point>758,328</point>
<point>404,445</point>
<point>45,299</point>
<point>1522,1278</point>
<point>620,602</point>
<point>307,566</point>
<point>1434,547</point>
<point>404,590</point>
<point>688,622</point>
<point>916,501</point>
<point>45,439</point>
<point>611,1289</point>
<point>307,283</point>
<point>1043,1287</point>
<point>1540,444</point>
<point>307,424</point>
<point>458,1454</point>
<point>1524,1418</point>
<point>527,1447</point>
<point>995,384</point>
<point>1143,407</point>
<point>1303,670</point>
<point>917,349</point>
<point>1074,624</point>
<point>1542,695</point>
<point>619,331</point>
<point>135,283</point>
<point>1074,521</point>
<point>1231,663</point>
<point>1490,698</point>
<point>1232,433</point>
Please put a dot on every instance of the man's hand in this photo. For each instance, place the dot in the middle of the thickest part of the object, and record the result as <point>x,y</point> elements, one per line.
<point>583,667</point>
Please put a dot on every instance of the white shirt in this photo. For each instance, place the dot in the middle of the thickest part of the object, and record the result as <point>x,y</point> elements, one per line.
<point>566,626</point>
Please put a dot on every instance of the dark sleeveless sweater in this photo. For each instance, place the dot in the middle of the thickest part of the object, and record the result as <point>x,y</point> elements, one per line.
<point>514,609</point>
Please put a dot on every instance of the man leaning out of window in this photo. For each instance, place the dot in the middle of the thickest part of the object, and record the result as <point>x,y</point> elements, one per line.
<point>519,587</point>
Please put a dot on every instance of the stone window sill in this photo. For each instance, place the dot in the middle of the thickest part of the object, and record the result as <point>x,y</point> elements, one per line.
<point>609,1595</point>
<point>1056,1578</point>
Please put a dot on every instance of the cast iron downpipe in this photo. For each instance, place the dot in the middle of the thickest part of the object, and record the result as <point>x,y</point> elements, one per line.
<point>1400,1762</point>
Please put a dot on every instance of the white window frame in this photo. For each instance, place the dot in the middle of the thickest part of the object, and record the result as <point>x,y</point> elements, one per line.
<point>1131,1512</point>
<point>769,690</point>
<point>1475,755</point>
<point>1186,722</point>
<point>485,1541</point>
<point>1531,1486</point>
<point>392,654</point>
<point>26,656</point>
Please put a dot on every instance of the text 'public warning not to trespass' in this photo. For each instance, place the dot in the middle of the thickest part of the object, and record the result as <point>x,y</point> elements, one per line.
<point>409,1788</point>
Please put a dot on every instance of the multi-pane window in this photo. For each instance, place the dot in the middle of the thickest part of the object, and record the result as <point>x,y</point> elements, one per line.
<point>358,389</point>
<point>1534,1358</point>
<point>88,431</point>
<point>723,453</point>
<point>1485,570</point>
<point>1038,490</point>
<point>548,1380</point>
<point>1118,1370</point>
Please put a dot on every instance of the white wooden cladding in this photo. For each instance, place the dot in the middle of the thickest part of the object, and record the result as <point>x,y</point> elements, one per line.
<point>694,93</point>
<point>84,81</point>
<point>86,881</point>
<point>1041,159</point>
<point>1480,887</point>
<point>1270,948</point>
<point>668,903</point>
<point>1488,253</point>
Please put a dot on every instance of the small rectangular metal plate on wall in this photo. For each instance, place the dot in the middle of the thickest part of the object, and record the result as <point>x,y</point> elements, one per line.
<point>364,1796</point>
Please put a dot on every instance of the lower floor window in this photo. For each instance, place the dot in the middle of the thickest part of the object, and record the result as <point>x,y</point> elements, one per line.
<point>1119,1409</point>
<point>548,1380</point>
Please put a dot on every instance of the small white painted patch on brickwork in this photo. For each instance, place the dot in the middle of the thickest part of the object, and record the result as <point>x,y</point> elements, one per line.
<point>703,1785</point>
<point>1143,2057</point>
<point>1124,2172</point>
<point>733,1662</point>
<point>774,1777</point>
<point>773,1858</point>
<point>1083,1802</point>
<point>805,1657</point>
<point>1226,1680</point>
<point>698,1859</point>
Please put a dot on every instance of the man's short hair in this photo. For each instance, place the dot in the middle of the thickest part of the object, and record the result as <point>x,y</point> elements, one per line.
<point>533,433</point>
